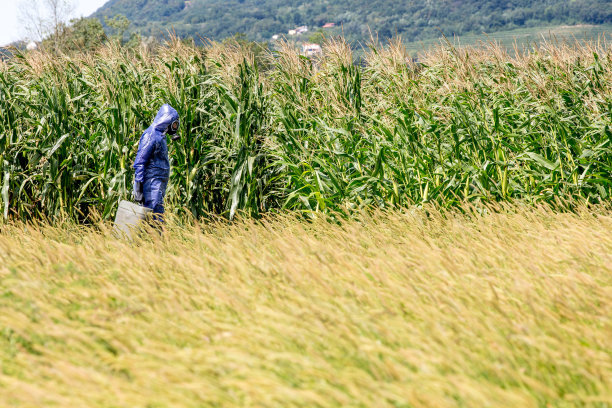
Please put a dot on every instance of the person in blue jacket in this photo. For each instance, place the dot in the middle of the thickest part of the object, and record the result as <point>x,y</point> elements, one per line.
<point>152,167</point>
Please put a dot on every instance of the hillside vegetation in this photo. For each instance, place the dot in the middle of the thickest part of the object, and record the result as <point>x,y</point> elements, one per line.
<point>413,20</point>
<point>521,38</point>
<point>399,309</point>
<point>466,125</point>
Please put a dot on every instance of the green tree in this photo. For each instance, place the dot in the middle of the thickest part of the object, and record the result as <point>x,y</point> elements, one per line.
<point>118,26</point>
<point>317,37</point>
<point>84,34</point>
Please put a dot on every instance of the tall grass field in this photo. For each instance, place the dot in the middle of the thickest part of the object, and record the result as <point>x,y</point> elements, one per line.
<point>377,234</point>
<point>412,308</point>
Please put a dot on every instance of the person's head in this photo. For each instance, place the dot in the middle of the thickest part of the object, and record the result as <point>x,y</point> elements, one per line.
<point>167,121</point>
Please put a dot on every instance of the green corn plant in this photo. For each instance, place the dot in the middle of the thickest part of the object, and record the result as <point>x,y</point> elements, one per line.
<point>466,125</point>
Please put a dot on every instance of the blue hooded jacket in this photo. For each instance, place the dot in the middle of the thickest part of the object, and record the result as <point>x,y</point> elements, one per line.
<point>152,157</point>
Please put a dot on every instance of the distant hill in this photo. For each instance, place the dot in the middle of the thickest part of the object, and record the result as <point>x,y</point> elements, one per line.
<point>8,51</point>
<point>414,20</point>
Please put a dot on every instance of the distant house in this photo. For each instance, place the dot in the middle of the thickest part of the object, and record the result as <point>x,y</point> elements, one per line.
<point>188,4</point>
<point>329,25</point>
<point>275,37</point>
<point>31,46</point>
<point>299,30</point>
<point>311,50</point>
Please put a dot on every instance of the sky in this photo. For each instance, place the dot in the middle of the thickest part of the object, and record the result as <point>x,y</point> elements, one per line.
<point>11,30</point>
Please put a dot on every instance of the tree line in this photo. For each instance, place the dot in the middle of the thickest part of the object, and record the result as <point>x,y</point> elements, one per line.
<point>413,20</point>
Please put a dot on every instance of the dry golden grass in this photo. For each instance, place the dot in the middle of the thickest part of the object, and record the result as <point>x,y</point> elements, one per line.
<point>411,309</point>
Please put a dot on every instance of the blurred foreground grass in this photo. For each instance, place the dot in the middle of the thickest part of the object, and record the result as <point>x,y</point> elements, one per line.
<point>401,309</point>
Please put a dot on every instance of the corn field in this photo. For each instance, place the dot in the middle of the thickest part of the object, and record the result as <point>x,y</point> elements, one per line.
<point>471,125</point>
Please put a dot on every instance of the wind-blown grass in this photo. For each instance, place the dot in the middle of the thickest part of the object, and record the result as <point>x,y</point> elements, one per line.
<point>415,308</point>
<point>467,125</point>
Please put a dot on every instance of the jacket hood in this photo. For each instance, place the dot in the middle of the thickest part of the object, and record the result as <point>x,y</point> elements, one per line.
<point>165,116</point>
